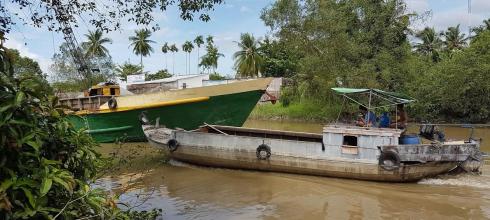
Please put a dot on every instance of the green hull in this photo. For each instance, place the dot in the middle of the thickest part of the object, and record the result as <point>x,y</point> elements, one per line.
<point>230,109</point>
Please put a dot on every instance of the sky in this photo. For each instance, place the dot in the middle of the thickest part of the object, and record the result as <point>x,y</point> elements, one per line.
<point>228,21</point>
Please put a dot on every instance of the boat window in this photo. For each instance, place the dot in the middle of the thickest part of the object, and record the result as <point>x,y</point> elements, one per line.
<point>113,91</point>
<point>350,140</point>
<point>94,92</point>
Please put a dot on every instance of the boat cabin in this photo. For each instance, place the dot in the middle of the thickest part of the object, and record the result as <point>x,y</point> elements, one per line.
<point>103,89</point>
<point>344,141</point>
<point>94,97</point>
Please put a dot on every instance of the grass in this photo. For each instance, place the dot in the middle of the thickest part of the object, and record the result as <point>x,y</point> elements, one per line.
<point>302,111</point>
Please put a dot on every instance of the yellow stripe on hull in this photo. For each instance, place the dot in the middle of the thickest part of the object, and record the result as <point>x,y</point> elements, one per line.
<point>145,106</point>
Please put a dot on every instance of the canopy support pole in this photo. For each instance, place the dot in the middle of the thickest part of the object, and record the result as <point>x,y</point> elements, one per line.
<point>396,117</point>
<point>369,107</point>
<point>340,112</point>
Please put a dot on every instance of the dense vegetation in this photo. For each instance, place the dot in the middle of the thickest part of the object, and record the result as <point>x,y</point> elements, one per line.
<point>46,166</point>
<point>359,43</point>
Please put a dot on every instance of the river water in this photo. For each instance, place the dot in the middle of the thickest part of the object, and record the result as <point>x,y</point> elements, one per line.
<point>145,179</point>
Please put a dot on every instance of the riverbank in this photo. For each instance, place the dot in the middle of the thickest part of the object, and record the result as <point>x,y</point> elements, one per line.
<point>309,111</point>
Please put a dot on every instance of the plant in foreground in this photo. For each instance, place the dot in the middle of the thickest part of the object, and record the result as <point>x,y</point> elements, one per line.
<point>46,166</point>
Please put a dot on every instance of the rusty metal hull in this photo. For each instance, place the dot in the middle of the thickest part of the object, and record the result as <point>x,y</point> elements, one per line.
<point>231,157</point>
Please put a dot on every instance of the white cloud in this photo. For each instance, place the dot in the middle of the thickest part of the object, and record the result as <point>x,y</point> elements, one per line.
<point>244,9</point>
<point>44,63</point>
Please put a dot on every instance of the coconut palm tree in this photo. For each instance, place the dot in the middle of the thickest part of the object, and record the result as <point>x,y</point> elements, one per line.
<point>123,71</point>
<point>95,44</point>
<point>484,27</point>
<point>187,47</point>
<point>248,62</point>
<point>454,39</point>
<point>209,39</point>
<point>173,49</point>
<point>198,41</point>
<point>141,44</point>
<point>430,45</point>
<point>210,59</point>
<point>165,50</point>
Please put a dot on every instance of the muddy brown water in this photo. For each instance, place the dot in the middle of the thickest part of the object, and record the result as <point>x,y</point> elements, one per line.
<point>147,180</point>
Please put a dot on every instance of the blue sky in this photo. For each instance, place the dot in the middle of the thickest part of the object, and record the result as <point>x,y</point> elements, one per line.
<point>228,21</point>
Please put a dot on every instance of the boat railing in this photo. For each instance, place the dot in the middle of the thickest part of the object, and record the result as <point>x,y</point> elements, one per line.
<point>90,103</point>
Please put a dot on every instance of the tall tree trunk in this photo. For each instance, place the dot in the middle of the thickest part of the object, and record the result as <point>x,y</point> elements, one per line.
<point>166,63</point>
<point>198,72</point>
<point>173,63</point>
<point>141,62</point>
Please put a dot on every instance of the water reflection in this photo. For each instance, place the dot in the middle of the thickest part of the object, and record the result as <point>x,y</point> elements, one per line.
<point>190,192</point>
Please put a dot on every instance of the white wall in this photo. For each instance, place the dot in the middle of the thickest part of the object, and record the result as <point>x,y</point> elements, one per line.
<point>192,82</point>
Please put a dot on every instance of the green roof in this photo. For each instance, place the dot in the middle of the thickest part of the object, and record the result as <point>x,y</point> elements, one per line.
<point>392,97</point>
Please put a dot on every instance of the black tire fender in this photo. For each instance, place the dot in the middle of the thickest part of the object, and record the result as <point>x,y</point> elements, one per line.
<point>389,160</point>
<point>112,103</point>
<point>172,145</point>
<point>263,152</point>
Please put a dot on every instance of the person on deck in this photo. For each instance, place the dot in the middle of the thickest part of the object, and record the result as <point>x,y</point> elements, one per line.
<point>367,119</point>
<point>384,120</point>
<point>401,120</point>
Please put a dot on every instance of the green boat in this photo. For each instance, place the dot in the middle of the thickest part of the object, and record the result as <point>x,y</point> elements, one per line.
<point>118,118</point>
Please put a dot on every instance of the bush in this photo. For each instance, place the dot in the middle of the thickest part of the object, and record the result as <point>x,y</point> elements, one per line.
<point>46,166</point>
<point>306,110</point>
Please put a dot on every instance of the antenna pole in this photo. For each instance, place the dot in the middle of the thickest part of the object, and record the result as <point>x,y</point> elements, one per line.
<point>469,18</point>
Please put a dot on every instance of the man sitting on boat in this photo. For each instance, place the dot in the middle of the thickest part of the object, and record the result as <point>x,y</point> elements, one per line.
<point>368,118</point>
<point>401,120</point>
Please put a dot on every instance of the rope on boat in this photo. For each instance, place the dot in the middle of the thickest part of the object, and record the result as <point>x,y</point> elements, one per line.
<point>214,128</point>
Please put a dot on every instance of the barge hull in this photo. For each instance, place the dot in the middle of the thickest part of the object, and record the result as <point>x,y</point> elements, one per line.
<point>242,159</point>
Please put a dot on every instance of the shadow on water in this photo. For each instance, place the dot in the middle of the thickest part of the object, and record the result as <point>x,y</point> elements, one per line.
<point>185,191</point>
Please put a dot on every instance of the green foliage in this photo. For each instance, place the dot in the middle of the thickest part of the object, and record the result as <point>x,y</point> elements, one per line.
<point>210,60</point>
<point>216,76</point>
<point>160,74</point>
<point>363,44</point>
<point>279,60</point>
<point>123,71</point>
<point>457,88</point>
<point>26,68</point>
<point>46,166</point>
<point>343,43</point>
<point>431,44</point>
<point>484,27</point>
<point>454,39</point>
<point>248,60</point>
<point>307,110</point>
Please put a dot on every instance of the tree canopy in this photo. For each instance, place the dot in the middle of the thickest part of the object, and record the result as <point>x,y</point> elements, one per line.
<point>105,16</point>
<point>359,43</point>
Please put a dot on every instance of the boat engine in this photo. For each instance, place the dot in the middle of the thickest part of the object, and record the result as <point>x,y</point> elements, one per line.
<point>432,132</point>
